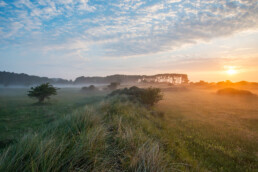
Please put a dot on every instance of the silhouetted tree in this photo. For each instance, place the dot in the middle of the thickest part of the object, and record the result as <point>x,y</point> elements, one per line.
<point>113,85</point>
<point>42,92</point>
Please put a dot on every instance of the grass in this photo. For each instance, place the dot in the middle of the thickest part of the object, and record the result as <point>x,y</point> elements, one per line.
<point>193,130</point>
<point>234,92</point>
<point>212,132</point>
<point>19,114</point>
<point>115,135</point>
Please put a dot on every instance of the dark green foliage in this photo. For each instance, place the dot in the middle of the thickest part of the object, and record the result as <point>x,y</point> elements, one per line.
<point>113,85</point>
<point>42,92</point>
<point>9,79</point>
<point>89,88</point>
<point>148,96</point>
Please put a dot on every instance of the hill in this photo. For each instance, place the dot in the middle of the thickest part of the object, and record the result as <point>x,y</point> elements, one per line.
<point>10,78</point>
<point>234,92</point>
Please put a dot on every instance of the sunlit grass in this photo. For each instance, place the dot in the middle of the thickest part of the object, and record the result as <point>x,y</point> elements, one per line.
<point>218,133</point>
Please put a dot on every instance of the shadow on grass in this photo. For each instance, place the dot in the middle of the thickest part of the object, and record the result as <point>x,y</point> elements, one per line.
<point>42,104</point>
<point>6,142</point>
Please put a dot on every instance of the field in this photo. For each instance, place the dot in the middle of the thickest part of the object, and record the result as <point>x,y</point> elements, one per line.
<point>19,114</point>
<point>211,131</point>
<point>190,130</point>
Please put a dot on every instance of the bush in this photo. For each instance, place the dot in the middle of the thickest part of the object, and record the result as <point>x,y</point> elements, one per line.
<point>234,92</point>
<point>113,85</point>
<point>42,92</point>
<point>149,96</point>
<point>89,88</point>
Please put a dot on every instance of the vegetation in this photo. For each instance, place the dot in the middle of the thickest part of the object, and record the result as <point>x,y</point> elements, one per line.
<point>42,92</point>
<point>149,96</point>
<point>225,84</point>
<point>113,85</point>
<point>89,88</point>
<point>216,133</point>
<point>186,131</point>
<point>113,136</point>
<point>19,116</point>
<point>128,78</point>
<point>14,79</point>
<point>234,92</point>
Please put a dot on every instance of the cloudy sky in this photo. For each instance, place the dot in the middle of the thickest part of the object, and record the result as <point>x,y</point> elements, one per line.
<point>70,38</point>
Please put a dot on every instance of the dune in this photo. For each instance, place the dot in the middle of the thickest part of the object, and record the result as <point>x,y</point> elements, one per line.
<point>234,92</point>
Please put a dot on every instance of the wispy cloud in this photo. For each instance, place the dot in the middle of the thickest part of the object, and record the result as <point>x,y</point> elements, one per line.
<point>120,29</point>
<point>133,27</point>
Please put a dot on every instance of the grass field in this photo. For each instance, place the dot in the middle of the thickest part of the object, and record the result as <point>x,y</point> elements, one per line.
<point>19,114</point>
<point>218,133</point>
<point>190,130</point>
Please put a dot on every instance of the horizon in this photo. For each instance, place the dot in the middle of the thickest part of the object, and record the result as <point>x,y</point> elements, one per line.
<point>207,40</point>
<point>135,75</point>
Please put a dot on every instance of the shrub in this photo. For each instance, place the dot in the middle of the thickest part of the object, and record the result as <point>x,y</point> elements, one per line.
<point>89,88</point>
<point>234,92</point>
<point>113,85</point>
<point>149,96</point>
<point>42,92</point>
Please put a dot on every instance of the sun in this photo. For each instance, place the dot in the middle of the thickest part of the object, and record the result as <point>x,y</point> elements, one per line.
<point>231,71</point>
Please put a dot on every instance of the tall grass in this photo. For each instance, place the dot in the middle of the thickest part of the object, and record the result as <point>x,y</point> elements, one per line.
<point>72,143</point>
<point>115,135</point>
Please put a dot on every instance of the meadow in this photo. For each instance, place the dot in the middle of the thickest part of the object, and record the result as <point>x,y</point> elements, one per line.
<point>19,113</point>
<point>219,133</point>
<point>189,130</point>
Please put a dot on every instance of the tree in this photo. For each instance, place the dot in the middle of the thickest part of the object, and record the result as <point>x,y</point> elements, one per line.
<point>42,92</point>
<point>89,88</point>
<point>113,85</point>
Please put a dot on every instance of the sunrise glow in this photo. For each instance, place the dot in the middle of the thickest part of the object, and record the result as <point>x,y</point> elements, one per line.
<point>231,71</point>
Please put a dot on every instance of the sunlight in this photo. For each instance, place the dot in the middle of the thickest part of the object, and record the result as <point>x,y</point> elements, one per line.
<point>231,71</point>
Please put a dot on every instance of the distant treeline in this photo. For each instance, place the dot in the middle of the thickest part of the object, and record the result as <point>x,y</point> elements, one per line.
<point>10,78</point>
<point>223,84</point>
<point>107,79</point>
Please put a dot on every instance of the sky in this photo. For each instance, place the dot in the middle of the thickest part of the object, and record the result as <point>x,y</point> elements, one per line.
<point>69,38</point>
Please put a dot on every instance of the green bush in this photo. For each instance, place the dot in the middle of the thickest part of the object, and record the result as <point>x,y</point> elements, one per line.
<point>42,92</point>
<point>149,96</point>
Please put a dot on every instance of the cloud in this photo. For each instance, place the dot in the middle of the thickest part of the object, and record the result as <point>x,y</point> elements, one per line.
<point>84,6</point>
<point>3,4</point>
<point>169,29</point>
<point>124,28</point>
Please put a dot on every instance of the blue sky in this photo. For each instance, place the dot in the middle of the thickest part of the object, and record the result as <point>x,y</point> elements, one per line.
<point>70,38</point>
